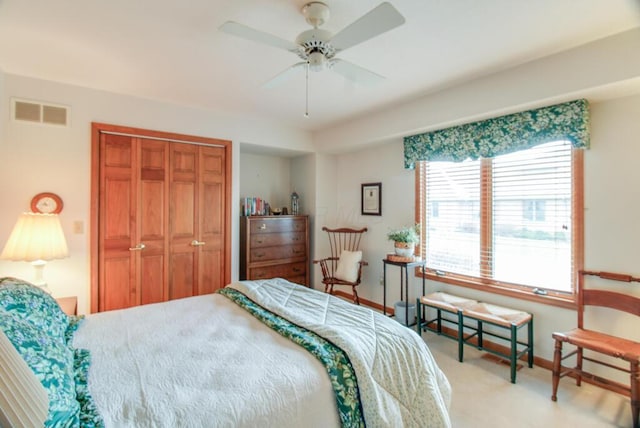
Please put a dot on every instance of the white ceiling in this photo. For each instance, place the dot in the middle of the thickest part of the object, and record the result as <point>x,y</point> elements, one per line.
<point>173,51</point>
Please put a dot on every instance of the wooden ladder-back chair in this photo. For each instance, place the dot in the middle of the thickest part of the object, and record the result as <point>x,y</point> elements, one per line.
<point>612,346</point>
<point>333,267</point>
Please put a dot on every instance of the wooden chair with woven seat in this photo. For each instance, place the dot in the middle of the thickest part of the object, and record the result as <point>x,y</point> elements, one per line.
<point>601,343</point>
<point>344,265</point>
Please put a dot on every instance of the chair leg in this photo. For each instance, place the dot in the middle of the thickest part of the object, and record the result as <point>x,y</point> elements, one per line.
<point>579,367</point>
<point>418,311</point>
<point>513,356</point>
<point>460,336</point>
<point>557,359</point>
<point>356,299</point>
<point>635,392</point>
<point>530,342</point>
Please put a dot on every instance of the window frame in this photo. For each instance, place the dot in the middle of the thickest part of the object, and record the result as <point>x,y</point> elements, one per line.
<point>554,298</point>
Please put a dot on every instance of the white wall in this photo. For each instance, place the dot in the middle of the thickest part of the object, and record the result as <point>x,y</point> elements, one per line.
<point>326,181</point>
<point>381,163</point>
<point>303,181</point>
<point>266,177</point>
<point>38,158</point>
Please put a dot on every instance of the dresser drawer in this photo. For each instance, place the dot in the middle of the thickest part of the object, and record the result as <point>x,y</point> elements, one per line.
<point>268,225</point>
<point>274,239</point>
<point>289,270</point>
<point>277,253</point>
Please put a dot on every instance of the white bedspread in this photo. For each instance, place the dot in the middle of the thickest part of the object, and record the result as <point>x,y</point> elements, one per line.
<point>201,362</point>
<point>400,383</point>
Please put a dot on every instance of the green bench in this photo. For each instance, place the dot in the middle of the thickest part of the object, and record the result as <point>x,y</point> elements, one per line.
<point>472,316</point>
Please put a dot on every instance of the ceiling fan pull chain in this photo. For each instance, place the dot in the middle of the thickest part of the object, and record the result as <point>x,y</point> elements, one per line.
<point>306,106</point>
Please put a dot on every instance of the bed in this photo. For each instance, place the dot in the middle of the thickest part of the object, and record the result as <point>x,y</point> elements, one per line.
<point>257,353</point>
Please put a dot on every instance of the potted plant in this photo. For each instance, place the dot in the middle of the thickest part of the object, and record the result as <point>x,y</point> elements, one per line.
<point>405,239</point>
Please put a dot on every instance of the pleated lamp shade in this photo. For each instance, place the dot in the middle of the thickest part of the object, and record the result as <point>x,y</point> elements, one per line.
<point>36,238</point>
<point>23,399</point>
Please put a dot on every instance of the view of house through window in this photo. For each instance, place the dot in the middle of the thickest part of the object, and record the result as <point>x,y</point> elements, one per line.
<point>505,220</point>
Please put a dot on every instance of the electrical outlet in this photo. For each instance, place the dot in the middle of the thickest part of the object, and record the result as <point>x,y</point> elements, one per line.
<point>381,280</point>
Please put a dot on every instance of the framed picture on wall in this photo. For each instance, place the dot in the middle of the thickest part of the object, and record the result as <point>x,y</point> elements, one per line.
<point>371,202</point>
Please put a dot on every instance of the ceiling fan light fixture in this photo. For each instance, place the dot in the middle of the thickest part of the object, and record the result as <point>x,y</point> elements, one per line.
<point>317,61</point>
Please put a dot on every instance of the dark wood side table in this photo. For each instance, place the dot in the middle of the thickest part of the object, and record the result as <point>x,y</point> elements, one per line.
<point>69,305</point>
<point>404,283</point>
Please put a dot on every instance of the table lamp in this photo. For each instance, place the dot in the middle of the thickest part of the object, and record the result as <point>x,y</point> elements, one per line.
<point>36,238</point>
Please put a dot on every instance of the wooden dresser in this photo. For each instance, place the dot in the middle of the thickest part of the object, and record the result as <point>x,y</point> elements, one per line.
<point>275,246</point>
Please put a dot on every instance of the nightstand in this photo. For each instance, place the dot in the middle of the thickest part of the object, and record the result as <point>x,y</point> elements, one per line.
<point>69,305</point>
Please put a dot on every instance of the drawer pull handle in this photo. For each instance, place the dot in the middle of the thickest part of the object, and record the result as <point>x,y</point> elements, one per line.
<point>258,255</point>
<point>196,243</point>
<point>259,241</point>
<point>296,270</point>
<point>262,226</point>
<point>138,247</point>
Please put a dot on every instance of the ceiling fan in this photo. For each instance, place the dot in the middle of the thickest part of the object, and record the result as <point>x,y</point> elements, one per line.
<point>318,48</point>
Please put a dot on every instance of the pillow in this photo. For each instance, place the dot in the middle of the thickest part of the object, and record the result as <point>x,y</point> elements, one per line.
<point>34,306</point>
<point>348,265</point>
<point>23,399</point>
<point>51,361</point>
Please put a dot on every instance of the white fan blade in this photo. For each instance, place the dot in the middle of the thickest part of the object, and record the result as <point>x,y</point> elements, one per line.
<point>355,73</point>
<point>379,20</point>
<point>249,33</point>
<point>285,75</point>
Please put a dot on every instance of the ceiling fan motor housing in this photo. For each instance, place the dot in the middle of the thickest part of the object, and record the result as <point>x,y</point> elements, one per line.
<point>315,47</point>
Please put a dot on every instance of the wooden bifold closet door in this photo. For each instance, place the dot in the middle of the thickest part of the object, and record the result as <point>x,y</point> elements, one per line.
<point>160,216</point>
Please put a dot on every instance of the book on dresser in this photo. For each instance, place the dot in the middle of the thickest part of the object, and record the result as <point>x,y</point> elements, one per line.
<point>275,247</point>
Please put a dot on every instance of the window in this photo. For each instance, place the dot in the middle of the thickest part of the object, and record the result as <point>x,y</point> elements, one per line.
<point>533,209</point>
<point>511,222</point>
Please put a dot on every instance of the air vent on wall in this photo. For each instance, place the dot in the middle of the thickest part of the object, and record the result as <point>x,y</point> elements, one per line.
<point>36,112</point>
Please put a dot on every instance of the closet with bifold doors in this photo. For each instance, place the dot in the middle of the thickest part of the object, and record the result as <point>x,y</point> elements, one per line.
<point>161,216</point>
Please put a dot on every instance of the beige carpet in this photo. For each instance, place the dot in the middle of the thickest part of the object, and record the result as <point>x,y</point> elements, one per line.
<point>484,397</point>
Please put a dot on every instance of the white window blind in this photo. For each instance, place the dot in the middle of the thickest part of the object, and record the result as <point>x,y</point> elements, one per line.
<point>452,236</point>
<point>507,219</point>
<point>533,247</point>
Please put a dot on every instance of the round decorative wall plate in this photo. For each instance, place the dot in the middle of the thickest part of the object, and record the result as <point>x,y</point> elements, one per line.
<point>47,203</point>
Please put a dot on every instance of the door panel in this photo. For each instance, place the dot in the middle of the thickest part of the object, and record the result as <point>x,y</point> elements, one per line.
<point>117,195</point>
<point>183,206</point>
<point>182,280</point>
<point>152,274</point>
<point>211,217</point>
<point>117,226</point>
<point>210,266</point>
<point>116,291</point>
<point>182,210</point>
<point>153,215</point>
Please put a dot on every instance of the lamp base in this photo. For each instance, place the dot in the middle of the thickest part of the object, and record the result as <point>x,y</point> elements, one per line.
<point>38,266</point>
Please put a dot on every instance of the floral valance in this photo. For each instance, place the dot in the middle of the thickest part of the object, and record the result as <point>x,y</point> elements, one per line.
<point>500,135</point>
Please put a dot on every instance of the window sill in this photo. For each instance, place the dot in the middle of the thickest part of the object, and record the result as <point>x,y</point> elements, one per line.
<point>567,301</point>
